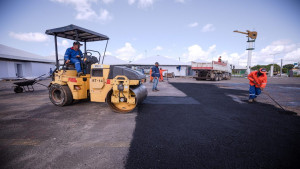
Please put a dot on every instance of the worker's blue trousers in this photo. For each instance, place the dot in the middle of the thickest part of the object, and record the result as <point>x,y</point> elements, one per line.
<point>155,82</point>
<point>76,62</point>
<point>254,92</point>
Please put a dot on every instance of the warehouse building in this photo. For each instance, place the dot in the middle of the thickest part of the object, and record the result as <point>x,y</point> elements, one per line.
<point>15,63</point>
<point>171,65</point>
<point>239,71</point>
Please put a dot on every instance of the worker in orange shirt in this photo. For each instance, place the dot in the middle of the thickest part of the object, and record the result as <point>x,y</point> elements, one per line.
<point>151,78</point>
<point>258,81</point>
<point>161,78</point>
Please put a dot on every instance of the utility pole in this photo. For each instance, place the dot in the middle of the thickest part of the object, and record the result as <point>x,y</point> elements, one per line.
<point>250,49</point>
<point>281,68</point>
<point>272,67</point>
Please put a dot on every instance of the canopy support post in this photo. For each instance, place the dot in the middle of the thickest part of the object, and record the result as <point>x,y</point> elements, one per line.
<point>85,46</point>
<point>56,52</point>
<point>105,50</point>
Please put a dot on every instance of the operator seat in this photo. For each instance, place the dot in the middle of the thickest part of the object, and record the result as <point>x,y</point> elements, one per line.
<point>68,66</point>
<point>89,61</point>
<point>64,66</point>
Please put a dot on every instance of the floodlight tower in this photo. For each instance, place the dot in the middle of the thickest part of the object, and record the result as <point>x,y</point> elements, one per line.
<point>251,45</point>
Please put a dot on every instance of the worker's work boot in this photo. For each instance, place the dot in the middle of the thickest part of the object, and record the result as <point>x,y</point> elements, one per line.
<point>79,74</point>
<point>254,100</point>
<point>250,100</point>
<point>156,90</point>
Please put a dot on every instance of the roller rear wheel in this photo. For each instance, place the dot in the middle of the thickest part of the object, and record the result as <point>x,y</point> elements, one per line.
<point>60,95</point>
<point>18,89</point>
<point>122,107</point>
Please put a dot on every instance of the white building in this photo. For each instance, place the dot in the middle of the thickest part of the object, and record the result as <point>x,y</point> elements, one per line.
<point>15,63</point>
<point>172,65</point>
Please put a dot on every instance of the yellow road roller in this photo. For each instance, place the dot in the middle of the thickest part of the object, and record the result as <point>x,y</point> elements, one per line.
<point>120,87</point>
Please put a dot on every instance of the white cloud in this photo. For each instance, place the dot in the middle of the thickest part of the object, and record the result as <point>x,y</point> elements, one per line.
<point>180,1</point>
<point>208,28</point>
<point>104,15</point>
<point>239,60</point>
<point>193,24</point>
<point>281,46</point>
<point>108,53</point>
<point>84,10</point>
<point>139,56</point>
<point>293,56</point>
<point>195,52</point>
<point>130,2</point>
<point>30,37</point>
<point>64,43</point>
<point>277,50</point>
<point>282,49</point>
<point>158,48</point>
<point>126,52</point>
<point>107,1</point>
<point>142,3</point>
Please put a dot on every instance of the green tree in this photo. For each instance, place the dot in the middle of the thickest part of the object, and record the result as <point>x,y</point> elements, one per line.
<point>284,70</point>
<point>276,67</point>
<point>257,67</point>
<point>288,66</point>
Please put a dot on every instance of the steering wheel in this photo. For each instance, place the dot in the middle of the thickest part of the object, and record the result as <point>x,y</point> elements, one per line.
<point>89,54</point>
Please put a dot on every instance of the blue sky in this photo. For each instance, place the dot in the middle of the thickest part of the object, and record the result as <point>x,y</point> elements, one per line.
<point>185,29</point>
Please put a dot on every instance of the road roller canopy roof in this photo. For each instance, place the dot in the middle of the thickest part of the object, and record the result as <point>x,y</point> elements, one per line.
<point>77,33</point>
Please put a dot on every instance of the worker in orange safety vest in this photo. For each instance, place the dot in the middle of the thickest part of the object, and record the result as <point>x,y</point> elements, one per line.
<point>161,78</point>
<point>258,81</point>
<point>151,78</point>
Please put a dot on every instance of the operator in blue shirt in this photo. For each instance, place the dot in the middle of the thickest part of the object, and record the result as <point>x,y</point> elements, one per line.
<point>74,55</point>
<point>155,74</point>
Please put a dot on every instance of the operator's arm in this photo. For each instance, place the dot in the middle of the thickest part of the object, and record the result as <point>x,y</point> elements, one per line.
<point>67,55</point>
<point>250,77</point>
<point>264,83</point>
<point>81,55</point>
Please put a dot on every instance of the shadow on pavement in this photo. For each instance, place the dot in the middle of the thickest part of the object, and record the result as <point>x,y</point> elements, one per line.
<point>217,133</point>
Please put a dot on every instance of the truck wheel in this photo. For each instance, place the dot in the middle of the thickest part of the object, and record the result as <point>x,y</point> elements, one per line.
<point>216,77</point>
<point>60,95</point>
<point>18,89</point>
<point>220,77</point>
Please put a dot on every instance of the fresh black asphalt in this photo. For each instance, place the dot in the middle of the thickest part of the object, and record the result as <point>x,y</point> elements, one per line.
<point>217,133</point>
